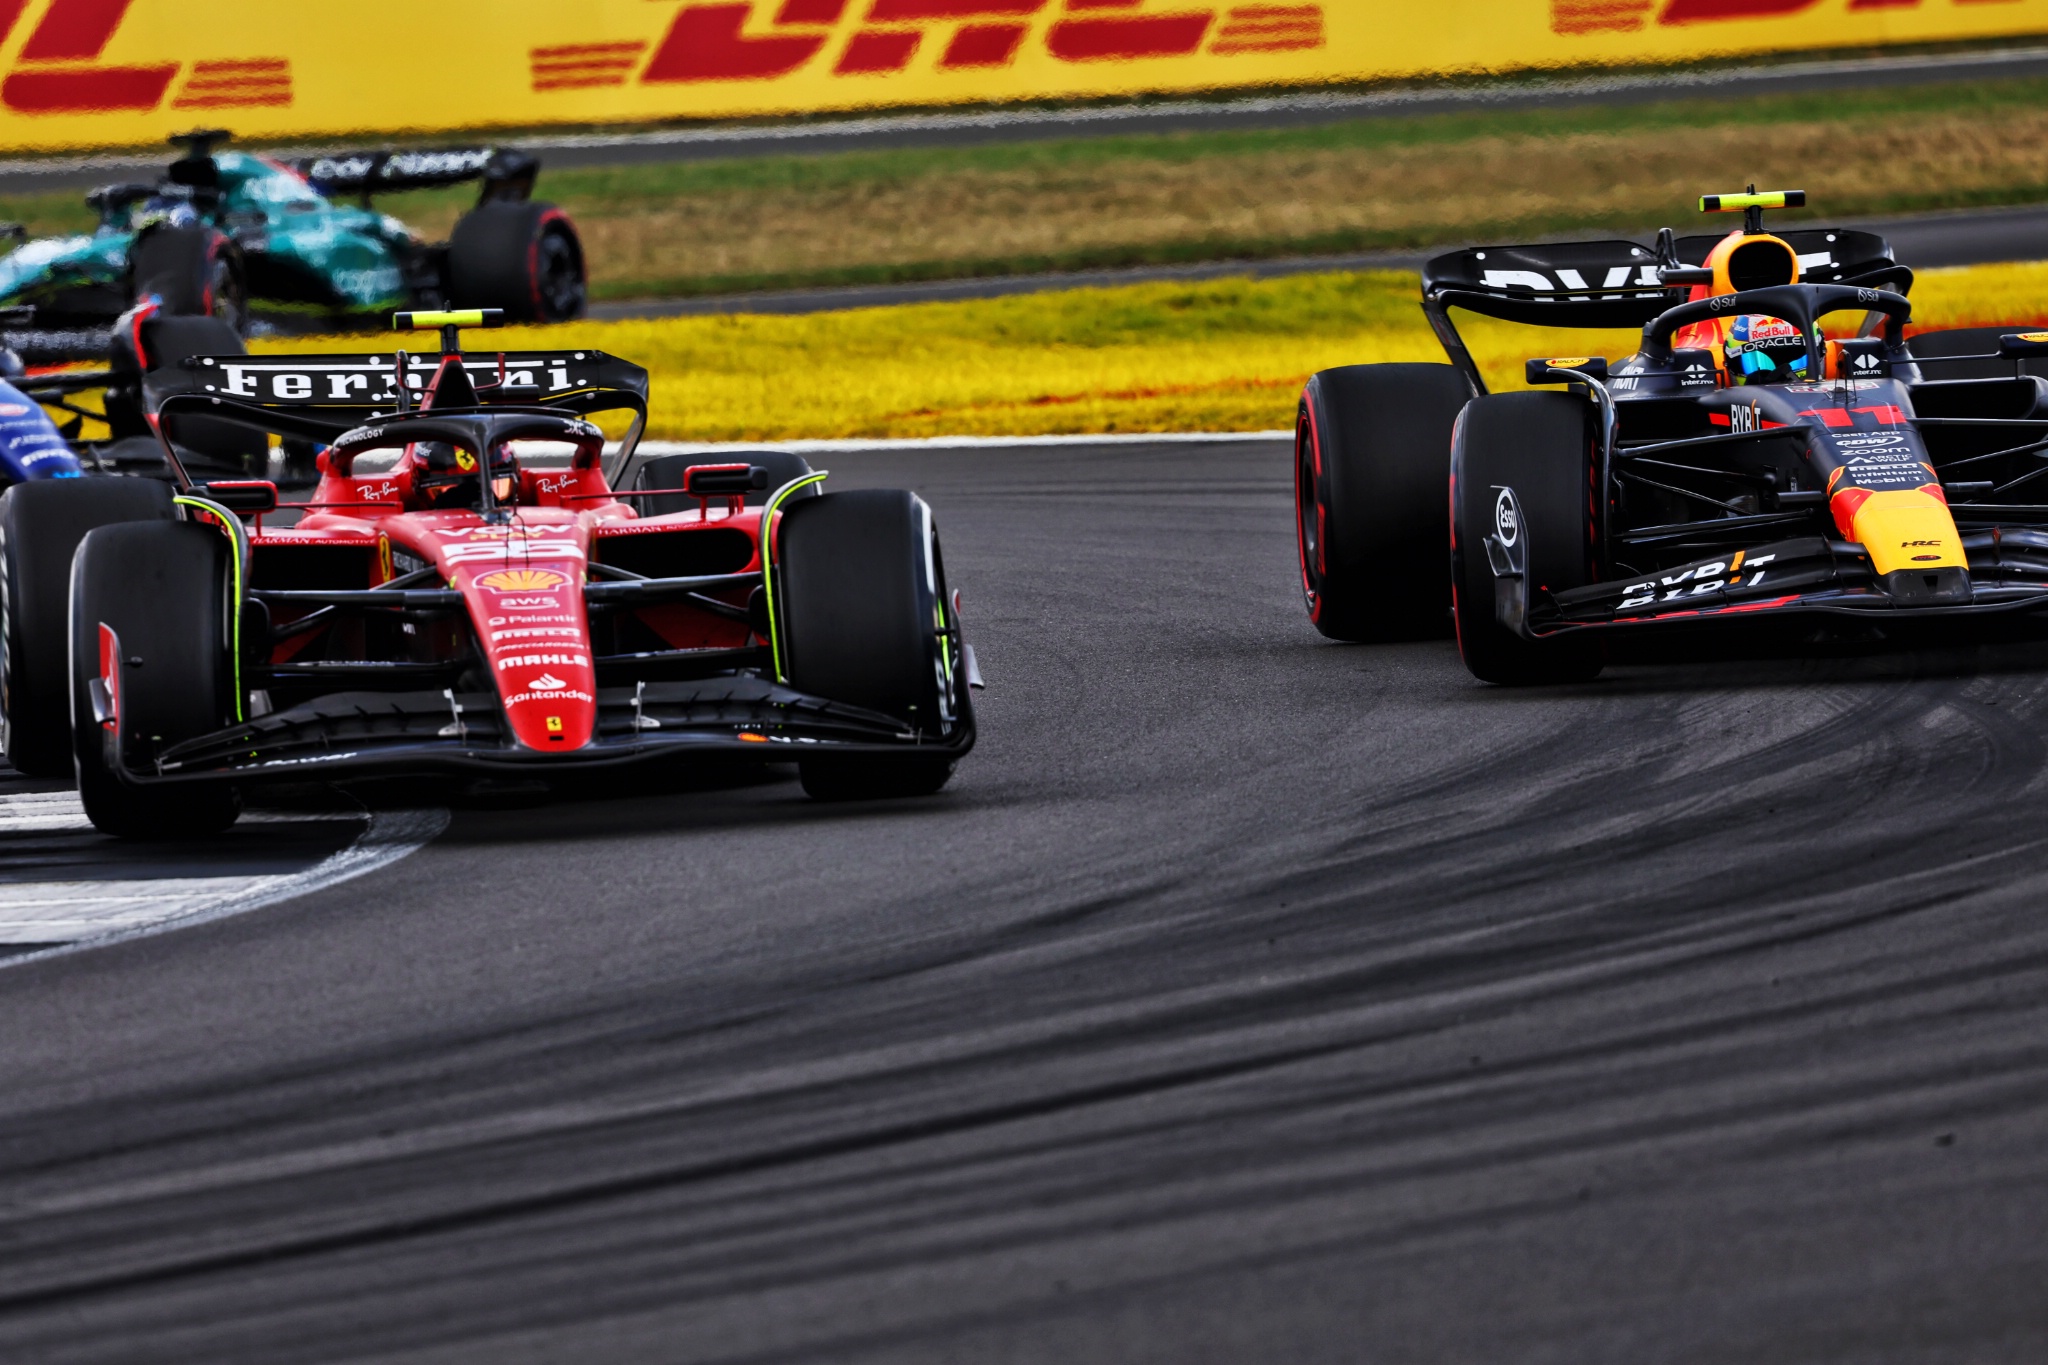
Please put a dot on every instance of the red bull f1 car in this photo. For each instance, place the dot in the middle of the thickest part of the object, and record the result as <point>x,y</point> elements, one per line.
<point>466,592</point>
<point>1777,448</point>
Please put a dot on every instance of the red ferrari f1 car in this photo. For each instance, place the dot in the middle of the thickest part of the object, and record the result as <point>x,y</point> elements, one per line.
<point>467,593</point>
<point>1745,464</point>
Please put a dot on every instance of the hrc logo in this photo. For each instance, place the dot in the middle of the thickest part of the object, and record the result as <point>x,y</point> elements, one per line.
<point>765,40</point>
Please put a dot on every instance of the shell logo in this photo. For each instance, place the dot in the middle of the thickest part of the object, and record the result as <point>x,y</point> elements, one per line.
<point>522,580</point>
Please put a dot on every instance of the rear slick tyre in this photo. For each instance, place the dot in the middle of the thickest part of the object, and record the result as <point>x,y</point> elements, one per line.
<point>861,588</point>
<point>41,524</point>
<point>1372,451</point>
<point>519,256</point>
<point>161,587</point>
<point>194,271</point>
<point>1541,446</point>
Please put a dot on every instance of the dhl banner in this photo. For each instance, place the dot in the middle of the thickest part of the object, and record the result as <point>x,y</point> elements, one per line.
<point>87,73</point>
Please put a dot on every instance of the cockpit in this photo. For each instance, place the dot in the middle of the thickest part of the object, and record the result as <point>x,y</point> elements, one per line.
<point>479,463</point>
<point>446,477</point>
<point>1750,348</point>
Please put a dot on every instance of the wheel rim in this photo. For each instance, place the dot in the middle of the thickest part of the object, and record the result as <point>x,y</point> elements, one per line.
<point>558,278</point>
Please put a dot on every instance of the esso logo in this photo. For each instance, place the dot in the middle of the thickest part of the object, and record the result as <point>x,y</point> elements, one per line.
<point>15,410</point>
<point>1506,522</point>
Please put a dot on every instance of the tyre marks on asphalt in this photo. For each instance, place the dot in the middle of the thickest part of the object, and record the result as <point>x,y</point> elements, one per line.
<point>64,885</point>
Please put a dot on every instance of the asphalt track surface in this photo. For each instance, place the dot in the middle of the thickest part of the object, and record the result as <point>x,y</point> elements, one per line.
<point>1246,998</point>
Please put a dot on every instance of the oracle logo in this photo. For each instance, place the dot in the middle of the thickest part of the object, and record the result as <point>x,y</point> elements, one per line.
<point>59,70</point>
<point>1627,16</point>
<point>755,40</point>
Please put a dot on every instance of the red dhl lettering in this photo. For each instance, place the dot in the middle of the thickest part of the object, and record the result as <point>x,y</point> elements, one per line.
<point>1627,16</point>
<point>59,69</point>
<point>759,40</point>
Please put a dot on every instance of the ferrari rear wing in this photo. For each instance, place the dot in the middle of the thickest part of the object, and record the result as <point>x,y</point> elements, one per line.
<point>318,397</point>
<point>354,388</point>
<point>1615,283</point>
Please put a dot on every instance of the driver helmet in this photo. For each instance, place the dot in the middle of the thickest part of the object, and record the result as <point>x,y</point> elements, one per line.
<point>1764,350</point>
<point>447,476</point>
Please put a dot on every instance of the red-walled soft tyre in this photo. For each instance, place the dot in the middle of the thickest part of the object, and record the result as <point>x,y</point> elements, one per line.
<point>1372,451</point>
<point>522,257</point>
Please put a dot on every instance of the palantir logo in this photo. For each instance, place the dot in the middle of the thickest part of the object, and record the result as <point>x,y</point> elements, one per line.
<point>769,39</point>
<point>59,69</point>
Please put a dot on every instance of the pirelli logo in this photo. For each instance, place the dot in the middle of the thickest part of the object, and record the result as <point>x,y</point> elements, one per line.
<point>765,40</point>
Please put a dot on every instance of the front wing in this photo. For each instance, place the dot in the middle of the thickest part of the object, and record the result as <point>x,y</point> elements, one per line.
<point>364,734</point>
<point>2008,572</point>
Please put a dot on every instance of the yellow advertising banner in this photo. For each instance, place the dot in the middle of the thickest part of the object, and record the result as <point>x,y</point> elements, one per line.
<point>87,73</point>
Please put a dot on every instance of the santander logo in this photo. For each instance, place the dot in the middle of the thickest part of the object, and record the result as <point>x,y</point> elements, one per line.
<point>546,682</point>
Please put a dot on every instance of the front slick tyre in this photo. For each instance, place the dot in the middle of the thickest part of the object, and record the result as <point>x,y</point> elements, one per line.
<point>1372,449</point>
<point>41,524</point>
<point>1540,445</point>
<point>866,621</point>
<point>161,588</point>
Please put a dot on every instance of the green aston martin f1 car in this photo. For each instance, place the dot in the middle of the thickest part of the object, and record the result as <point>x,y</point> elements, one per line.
<point>228,234</point>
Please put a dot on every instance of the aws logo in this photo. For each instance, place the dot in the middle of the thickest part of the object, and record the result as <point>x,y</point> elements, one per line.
<point>59,68</point>
<point>1627,16</point>
<point>768,39</point>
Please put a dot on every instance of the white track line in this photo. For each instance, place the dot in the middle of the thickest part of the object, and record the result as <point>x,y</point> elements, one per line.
<point>963,442</point>
<point>78,915</point>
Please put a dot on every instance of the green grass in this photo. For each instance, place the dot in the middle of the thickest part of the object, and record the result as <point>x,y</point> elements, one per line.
<point>872,217</point>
